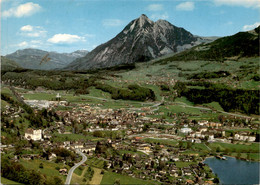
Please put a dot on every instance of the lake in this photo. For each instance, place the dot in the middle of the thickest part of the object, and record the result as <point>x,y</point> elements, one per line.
<point>234,171</point>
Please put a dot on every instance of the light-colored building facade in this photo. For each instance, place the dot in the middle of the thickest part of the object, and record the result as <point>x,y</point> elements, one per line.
<point>33,134</point>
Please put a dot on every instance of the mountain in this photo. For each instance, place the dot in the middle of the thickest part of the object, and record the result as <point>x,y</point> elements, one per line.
<point>242,44</point>
<point>7,64</point>
<point>44,60</point>
<point>141,40</point>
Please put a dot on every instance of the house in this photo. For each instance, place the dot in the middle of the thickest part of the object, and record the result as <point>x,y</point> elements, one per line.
<point>211,137</point>
<point>52,156</point>
<point>63,171</point>
<point>185,130</point>
<point>88,149</point>
<point>31,134</point>
<point>244,137</point>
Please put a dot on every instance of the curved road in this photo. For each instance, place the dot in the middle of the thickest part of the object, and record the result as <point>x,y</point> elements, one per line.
<point>69,176</point>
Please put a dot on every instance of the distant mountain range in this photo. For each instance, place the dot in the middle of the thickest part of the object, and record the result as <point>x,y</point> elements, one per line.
<point>141,40</point>
<point>44,60</point>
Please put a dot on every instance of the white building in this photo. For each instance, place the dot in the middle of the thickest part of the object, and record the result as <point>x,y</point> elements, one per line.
<point>186,130</point>
<point>40,104</point>
<point>244,137</point>
<point>31,134</point>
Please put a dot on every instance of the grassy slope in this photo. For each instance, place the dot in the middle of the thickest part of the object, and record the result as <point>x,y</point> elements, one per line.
<point>97,177</point>
<point>242,44</point>
<point>48,167</point>
<point>7,64</point>
<point>7,181</point>
<point>111,177</point>
<point>72,137</point>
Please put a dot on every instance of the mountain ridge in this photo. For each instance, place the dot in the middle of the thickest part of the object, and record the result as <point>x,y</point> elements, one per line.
<point>141,40</point>
<point>30,58</point>
<point>241,44</point>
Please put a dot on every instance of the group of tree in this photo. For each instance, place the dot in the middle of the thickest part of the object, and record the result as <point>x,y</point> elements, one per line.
<point>49,80</point>
<point>17,172</point>
<point>89,174</point>
<point>241,100</point>
<point>133,92</point>
<point>208,75</point>
<point>64,154</point>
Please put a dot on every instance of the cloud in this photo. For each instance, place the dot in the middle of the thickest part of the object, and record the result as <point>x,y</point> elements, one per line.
<point>33,31</point>
<point>160,16</point>
<point>250,27</point>
<point>65,39</point>
<point>38,44</point>
<point>32,44</point>
<point>155,7</point>
<point>26,28</point>
<point>186,6</point>
<point>112,22</point>
<point>244,3</point>
<point>22,44</point>
<point>22,10</point>
<point>89,35</point>
<point>3,1</point>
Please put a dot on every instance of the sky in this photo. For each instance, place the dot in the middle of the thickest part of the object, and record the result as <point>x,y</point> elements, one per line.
<point>69,25</point>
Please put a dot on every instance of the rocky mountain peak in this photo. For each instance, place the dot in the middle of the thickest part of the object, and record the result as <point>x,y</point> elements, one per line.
<point>143,20</point>
<point>141,40</point>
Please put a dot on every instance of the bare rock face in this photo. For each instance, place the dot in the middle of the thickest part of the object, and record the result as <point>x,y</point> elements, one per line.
<point>141,40</point>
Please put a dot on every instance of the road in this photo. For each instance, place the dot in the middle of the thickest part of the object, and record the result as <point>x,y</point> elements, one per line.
<point>69,176</point>
<point>207,146</point>
<point>180,103</point>
<point>203,108</point>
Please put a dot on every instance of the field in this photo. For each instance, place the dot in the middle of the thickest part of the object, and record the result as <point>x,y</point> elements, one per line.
<point>80,176</point>
<point>97,178</point>
<point>131,152</point>
<point>98,163</point>
<point>48,167</point>
<point>185,68</point>
<point>251,147</point>
<point>111,178</point>
<point>180,164</point>
<point>169,142</point>
<point>72,137</point>
<point>7,181</point>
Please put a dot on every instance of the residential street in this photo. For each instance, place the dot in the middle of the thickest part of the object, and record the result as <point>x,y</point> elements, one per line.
<point>84,158</point>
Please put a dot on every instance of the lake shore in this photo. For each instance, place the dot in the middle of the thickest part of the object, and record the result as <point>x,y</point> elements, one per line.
<point>233,170</point>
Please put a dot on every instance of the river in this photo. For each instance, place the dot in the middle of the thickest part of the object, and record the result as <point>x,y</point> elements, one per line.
<point>234,171</point>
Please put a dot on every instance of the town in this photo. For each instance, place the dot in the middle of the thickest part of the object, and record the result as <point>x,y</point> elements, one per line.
<point>137,142</point>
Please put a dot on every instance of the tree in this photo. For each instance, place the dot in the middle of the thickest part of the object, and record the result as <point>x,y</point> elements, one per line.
<point>216,180</point>
<point>248,156</point>
<point>105,165</point>
<point>180,144</point>
<point>238,154</point>
<point>117,182</point>
<point>35,178</point>
<point>18,149</point>
<point>54,181</point>
<point>189,144</point>
<point>161,165</point>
